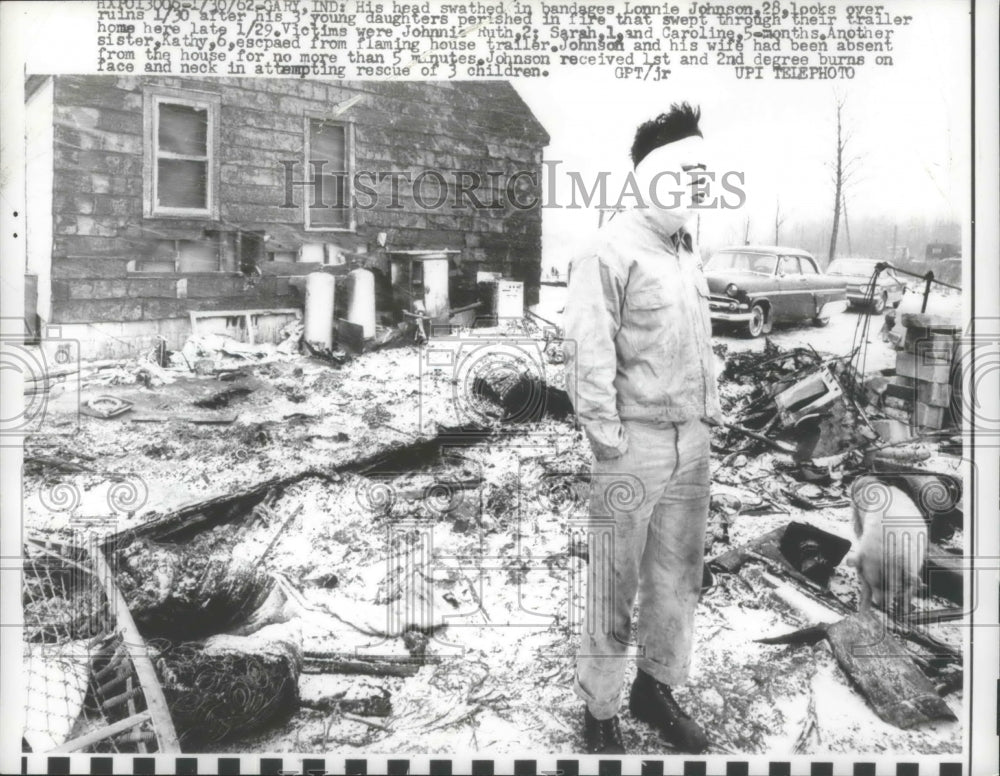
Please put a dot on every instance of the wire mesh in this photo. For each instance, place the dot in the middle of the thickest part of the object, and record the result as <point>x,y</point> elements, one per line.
<point>82,692</point>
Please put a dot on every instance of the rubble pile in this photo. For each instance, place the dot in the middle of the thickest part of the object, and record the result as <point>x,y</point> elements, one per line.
<point>204,585</point>
<point>229,686</point>
<point>364,563</point>
<point>921,390</point>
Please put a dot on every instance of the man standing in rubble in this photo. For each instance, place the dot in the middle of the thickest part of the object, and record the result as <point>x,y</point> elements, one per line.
<point>641,377</point>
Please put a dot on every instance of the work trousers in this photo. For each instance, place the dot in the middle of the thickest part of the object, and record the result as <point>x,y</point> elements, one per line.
<point>646,534</point>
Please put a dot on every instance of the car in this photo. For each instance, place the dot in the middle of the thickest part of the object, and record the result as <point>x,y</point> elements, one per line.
<point>756,286</point>
<point>949,270</point>
<point>857,273</point>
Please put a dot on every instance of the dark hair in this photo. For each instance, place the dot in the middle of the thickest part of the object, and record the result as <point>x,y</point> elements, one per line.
<point>679,122</point>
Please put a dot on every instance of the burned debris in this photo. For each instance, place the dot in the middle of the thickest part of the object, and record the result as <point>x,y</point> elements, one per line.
<point>312,595</point>
<point>337,549</point>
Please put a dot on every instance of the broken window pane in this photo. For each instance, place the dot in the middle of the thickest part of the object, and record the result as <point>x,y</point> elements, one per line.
<point>183,130</point>
<point>327,143</point>
<point>197,255</point>
<point>335,214</point>
<point>182,183</point>
<point>328,146</point>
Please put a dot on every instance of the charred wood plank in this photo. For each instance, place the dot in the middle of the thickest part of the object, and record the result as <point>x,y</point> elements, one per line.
<point>347,663</point>
<point>108,731</point>
<point>889,679</point>
<point>878,666</point>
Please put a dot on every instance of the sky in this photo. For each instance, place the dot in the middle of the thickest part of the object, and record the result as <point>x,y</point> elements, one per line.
<point>909,126</point>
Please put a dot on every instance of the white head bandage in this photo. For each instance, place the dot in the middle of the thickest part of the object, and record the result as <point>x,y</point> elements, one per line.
<point>668,177</point>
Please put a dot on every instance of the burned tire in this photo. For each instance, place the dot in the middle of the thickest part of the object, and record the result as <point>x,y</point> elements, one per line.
<point>758,320</point>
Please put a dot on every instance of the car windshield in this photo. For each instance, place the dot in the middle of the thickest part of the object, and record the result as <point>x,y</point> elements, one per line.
<point>737,262</point>
<point>851,267</point>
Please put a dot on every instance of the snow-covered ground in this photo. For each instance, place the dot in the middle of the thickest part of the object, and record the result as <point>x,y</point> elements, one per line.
<point>490,564</point>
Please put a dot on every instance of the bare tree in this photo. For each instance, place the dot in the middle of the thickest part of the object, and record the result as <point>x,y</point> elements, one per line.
<point>847,227</point>
<point>844,168</point>
<point>779,219</point>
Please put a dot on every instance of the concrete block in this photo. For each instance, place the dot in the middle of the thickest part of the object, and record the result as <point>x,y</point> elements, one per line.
<point>65,224</point>
<point>891,430</point>
<point>911,365</point>
<point>152,287</point>
<point>899,390</point>
<point>115,206</point>
<point>929,352</point>
<point>156,309</point>
<point>926,416</point>
<point>404,220</point>
<point>80,117</point>
<point>119,121</point>
<point>249,175</point>
<point>125,185</point>
<point>263,101</point>
<point>92,310</point>
<point>110,289</point>
<point>918,334</point>
<point>897,403</point>
<point>95,91</point>
<point>96,227</point>
<point>97,247</point>
<point>252,194</point>
<point>62,289</point>
<point>245,137</point>
<point>931,322</point>
<point>288,268</point>
<point>233,115</point>
<point>174,330</point>
<point>65,202</point>
<point>120,143</point>
<point>97,160</point>
<point>98,340</point>
<point>203,287</point>
<point>934,394</point>
<point>238,213</point>
<point>897,414</point>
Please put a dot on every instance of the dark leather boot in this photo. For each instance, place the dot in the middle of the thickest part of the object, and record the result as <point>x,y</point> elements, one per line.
<point>603,736</point>
<point>653,703</point>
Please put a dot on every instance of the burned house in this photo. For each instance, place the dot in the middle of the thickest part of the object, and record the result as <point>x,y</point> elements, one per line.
<point>150,199</point>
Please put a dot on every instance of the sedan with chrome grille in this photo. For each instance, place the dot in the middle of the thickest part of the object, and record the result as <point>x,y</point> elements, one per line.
<point>753,287</point>
<point>887,291</point>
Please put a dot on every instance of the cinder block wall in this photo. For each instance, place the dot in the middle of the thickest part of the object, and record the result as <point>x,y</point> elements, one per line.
<point>98,220</point>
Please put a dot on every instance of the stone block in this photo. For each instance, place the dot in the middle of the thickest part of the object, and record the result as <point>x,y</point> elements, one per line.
<point>934,394</point>
<point>911,365</point>
<point>926,416</point>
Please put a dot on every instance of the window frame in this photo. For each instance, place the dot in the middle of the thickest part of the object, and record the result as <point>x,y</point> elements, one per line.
<point>153,97</point>
<point>348,125</point>
<point>810,263</point>
<point>793,260</point>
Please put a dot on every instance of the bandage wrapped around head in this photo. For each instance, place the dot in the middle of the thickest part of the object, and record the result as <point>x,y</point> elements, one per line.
<point>668,177</point>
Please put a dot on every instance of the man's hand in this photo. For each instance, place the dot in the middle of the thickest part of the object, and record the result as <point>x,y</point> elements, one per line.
<point>608,440</point>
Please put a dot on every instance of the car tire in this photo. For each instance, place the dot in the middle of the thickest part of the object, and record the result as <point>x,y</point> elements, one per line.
<point>758,321</point>
<point>821,322</point>
<point>879,303</point>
